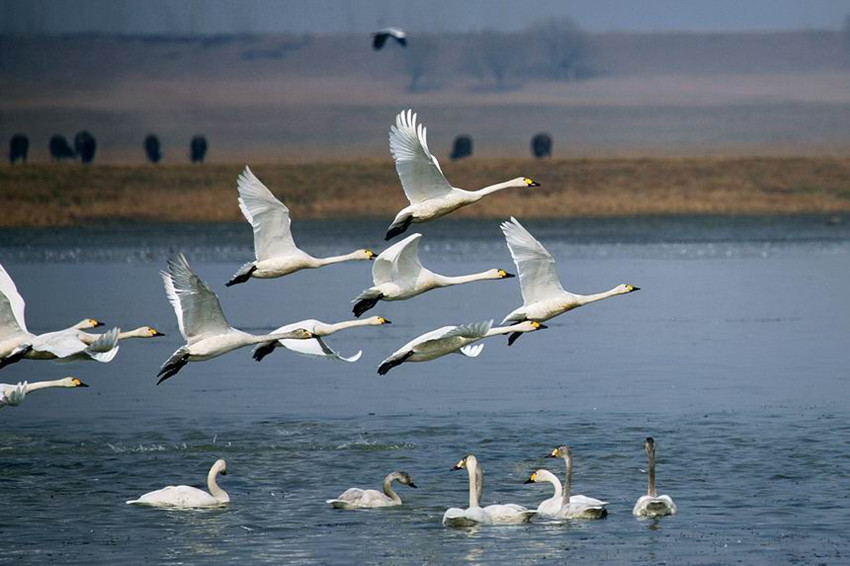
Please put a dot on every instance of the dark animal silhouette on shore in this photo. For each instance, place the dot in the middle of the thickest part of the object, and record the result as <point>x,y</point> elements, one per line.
<point>152,148</point>
<point>541,146</point>
<point>198,149</point>
<point>85,146</point>
<point>60,148</point>
<point>18,148</point>
<point>462,147</point>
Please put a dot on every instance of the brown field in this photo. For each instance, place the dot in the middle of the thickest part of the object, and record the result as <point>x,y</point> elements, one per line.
<point>56,195</point>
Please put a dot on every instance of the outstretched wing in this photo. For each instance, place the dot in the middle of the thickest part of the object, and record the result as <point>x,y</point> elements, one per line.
<point>472,350</point>
<point>318,348</point>
<point>419,171</point>
<point>398,263</point>
<point>11,307</point>
<point>12,395</point>
<point>268,216</point>
<point>105,347</point>
<point>197,308</point>
<point>538,276</point>
<point>473,330</point>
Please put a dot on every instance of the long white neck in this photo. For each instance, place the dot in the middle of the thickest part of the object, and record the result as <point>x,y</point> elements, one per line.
<point>476,484</point>
<point>651,490</point>
<point>502,330</point>
<point>551,478</point>
<point>44,385</point>
<point>565,496</point>
<point>320,261</point>
<point>259,339</point>
<point>388,488</point>
<point>216,491</point>
<point>446,281</point>
<point>495,188</point>
<point>585,299</point>
<point>137,333</point>
<point>323,329</point>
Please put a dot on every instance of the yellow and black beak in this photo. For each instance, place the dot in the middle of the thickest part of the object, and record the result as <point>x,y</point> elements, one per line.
<point>384,321</point>
<point>78,383</point>
<point>460,465</point>
<point>155,332</point>
<point>532,479</point>
<point>95,323</point>
<point>371,255</point>
<point>411,484</point>
<point>538,326</point>
<point>632,288</point>
<point>531,182</point>
<point>552,454</point>
<point>505,275</point>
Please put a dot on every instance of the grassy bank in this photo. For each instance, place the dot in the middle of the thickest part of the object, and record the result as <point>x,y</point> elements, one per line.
<point>52,195</point>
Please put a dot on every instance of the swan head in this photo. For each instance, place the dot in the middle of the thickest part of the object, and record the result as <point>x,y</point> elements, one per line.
<point>528,326</point>
<point>148,332</point>
<point>303,334</point>
<point>532,478</point>
<point>220,467</point>
<point>366,254</point>
<point>468,462</point>
<point>71,382</point>
<point>88,323</point>
<point>498,273</point>
<point>560,452</point>
<point>378,320</point>
<point>526,182</point>
<point>649,445</point>
<point>625,288</point>
<point>404,478</point>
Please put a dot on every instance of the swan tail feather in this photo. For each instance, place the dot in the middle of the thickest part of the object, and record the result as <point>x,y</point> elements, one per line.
<point>365,304</point>
<point>173,365</point>
<point>264,350</point>
<point>397,228</point>
<point>243,274</point>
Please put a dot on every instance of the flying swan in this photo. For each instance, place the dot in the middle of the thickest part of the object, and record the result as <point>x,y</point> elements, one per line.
<point>316,346</point>
<point>398,274</point>
<point>379,38</point>
<point>543,297</point>
<point>451,340</point>
<point>13,395</point>
<point>477,515</point>
<point>186,497</point>
<point>652,504</point>
<point>430,194</point>
<point>201,321</point>
<point>277,254</point>
<point>356,498</point>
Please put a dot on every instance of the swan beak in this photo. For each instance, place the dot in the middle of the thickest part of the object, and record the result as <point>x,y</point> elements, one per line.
<point>457,467</point>
<point>157,333</point>
<point>552,454</point>
<point>224,472</point>
<point>541,326</point>
<point>633,288</point>
<point>78,383</point>
<point>532,479</point>
<point>505,275</point>
<point>371,255</point>
<point>385,321</point>
<point>96,323</point>
<point>411,484</point>
<point>531,183</point>
<point>529,480</point>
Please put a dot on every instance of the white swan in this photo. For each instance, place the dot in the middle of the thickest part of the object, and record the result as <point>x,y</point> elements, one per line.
<point>15,339</point>
<point>140,332</point>
<point>398,274</point>
<point>67,346</point>
<point>543,297</point>
<point>652,504</point>
<point>186,497</point>
<point>201,321</point>
<point>356,498</point>
<point>451,340</point>
<point>379,38</point>
<point>576,506</point>
<point>13,395</point>
<point>277,254</point>
<point>316,346</point>
<point>430,194</point>
<point>475,514</point>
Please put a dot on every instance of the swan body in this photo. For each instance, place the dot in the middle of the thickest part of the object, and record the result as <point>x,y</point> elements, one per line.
<point>275,250</point>
<point>572,506</point>
<point>506,514</point>
<point>66,346</point>
<point>430,194</point>
<point>543,297</point>
<point>652,504</point>
<point>451,340</point>
<point>379,38</point>
<point>356,498</point>
<point>13,395</point>
<point>202,322</point>
<point>316,346</point>
<point>398,274</point>
<point>186,497</point>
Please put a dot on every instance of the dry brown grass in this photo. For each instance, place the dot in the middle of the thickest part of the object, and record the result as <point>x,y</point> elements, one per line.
<point>53,195</point>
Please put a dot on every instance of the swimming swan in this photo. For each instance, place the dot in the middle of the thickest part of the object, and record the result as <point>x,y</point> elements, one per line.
<point>356,498</point>
<point>477,515</point>
<point>15,340</point>
<point>277,254</point>
<point>316,346</point>
<point>430,194</point>
<point>201,321</point>
<point>13,395</point>
<point>451,340</point>
<point>576,506</point>
<point>186,497</point>
<point>398,274</point>
<point>652,504</point>
<point>543,297</point>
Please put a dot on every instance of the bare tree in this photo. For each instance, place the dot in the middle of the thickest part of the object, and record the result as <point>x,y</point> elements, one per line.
<point>496,55</point>
<point>563,48</point>
<point>419,60</point>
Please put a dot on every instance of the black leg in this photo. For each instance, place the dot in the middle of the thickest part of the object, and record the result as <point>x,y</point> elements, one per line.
<point>387,366</point>
<point>171,367</point>
<point>264,350</point>
<point>241,277</point>
<point>365,304</point>
<point>396,230</point>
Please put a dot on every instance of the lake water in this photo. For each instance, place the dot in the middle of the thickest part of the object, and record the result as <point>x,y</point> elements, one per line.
<point>734,356</point>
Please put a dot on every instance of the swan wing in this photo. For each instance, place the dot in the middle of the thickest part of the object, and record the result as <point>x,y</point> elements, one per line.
<point>176,496</point>
<point>268,216</point>
<point>584,501</point>
<point>538,275</point>
<point>11,306</point>
<point>318,348</point>
<point>399,262</point>
<point>12,395</point>
<point>197,308</point>
<point>61,344</point>
<point>510,513</point>
<point>473,330</point>
<point>419,171</point>
<point>472,351</point>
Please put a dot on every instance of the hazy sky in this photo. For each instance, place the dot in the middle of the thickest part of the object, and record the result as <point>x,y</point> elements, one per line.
<point>234,16</point>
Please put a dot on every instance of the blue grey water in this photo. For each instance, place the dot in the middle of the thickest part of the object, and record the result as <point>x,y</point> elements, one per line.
<point>734,356</point>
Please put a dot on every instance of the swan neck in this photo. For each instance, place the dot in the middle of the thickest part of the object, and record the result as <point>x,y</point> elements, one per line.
<point>388,488</point>
<point>325,329</point>
<point>476,485</point>
<point>494,188</point>
<point>337,259</point>
<point>216,491</point>
<point>446,280</point>
<point>565,496</point>
<point>501,330</point>
<point>43,385</point>
<point>651,473</point>
<point>556,483</point>
<point>585,299</point>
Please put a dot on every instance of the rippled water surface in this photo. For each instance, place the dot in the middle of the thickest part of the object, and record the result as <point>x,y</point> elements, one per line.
<point>733,356</point>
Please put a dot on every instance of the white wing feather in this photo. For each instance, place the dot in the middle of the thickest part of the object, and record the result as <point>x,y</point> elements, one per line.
<point>538,276</point>
<point>268,216</point>
<point>419,171</point>
<point>11,306</point>
<point>398,263</point>
<point>197,308</point>
<point>317,347</point>
<point>12,395</point>
<point>472,350</point>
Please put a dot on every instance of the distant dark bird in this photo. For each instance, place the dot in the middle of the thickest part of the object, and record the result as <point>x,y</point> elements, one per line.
<point>541,146</point>
<point>85,146</point>
<point>60,148</point>
<point>18,148</point>
<point>379,38</point>
<point>462,147</point>
<point>152,148</point>
<point>198,149</point>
